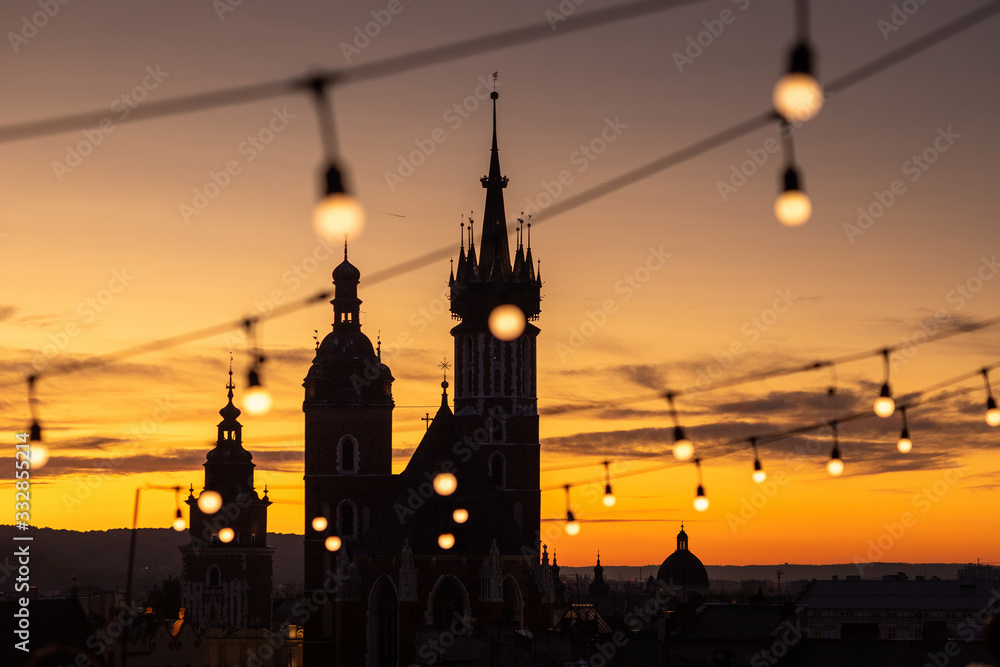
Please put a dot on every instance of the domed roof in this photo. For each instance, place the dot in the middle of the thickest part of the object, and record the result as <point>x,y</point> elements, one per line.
<point>683,568</point>
<point>346,273</point>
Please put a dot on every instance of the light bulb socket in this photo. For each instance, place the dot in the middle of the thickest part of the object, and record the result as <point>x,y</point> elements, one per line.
<point>177,514</point>
<point>36,432</point>
<point>885,392</point>
<point>253,378</point>
<point>607,489</point>
<point>756,465</point>
<point>991,403</point>
<point>334,181</point>
<point>701,491</point>
<point>791,180</point>
<point>905,433</point>
<point>800,61</point>
<point>569,516</point>
<point>679,434</point>
<point>835,454</point>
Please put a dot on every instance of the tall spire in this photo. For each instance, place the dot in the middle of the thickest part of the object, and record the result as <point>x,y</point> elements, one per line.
<point>494,251</point>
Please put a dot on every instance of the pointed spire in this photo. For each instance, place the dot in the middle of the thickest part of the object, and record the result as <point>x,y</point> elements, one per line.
<point>472,267</point>
<point>494,250</point>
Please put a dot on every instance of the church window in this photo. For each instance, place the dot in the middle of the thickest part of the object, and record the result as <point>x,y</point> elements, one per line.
<point>347,518</point>
<point>347,454</point>
<point>213,577</point>
<point>498,469</point>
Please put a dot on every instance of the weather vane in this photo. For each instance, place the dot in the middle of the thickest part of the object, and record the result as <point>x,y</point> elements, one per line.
<point>444,366</point>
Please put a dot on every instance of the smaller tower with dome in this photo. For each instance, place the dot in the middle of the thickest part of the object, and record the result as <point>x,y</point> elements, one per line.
<point>682,568</point>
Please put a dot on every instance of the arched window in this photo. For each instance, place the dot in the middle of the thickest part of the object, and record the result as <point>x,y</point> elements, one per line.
<point>383,631</point>
<point>347,519</point>
<point>347,454</point>
<point>498,469</point>
<point>513,605</point>
<point>448,602</point>
<point>213,577</point>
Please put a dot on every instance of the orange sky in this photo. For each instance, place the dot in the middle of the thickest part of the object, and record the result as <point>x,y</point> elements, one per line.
<point>101,256</point>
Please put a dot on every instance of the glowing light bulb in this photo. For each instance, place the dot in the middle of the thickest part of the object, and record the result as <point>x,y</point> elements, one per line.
<point>798,96</point>
<point>209,502</point>
<point>507,322</point>
<point>701,500</point>
<point>683,449</point>
<point>337,215</point>
<point>904,444</point>
<point>178,520</point>
<point>446,540</point>
<point>226,535</point>
<point>460,515</point>
<point>572,528</point>
<point>793,208</point>
<point>320,523</point>
<point>884,405</point>
<point>992,412</point>
<point>257,400</point>
<point>609,499</point>
<point>445,483</point>
<point>758,472</point>
<point>835,465</point>
<point>38,454</point>
<point>332,543</point>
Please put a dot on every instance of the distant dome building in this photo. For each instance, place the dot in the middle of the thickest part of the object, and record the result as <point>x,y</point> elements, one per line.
<point>682,568</point>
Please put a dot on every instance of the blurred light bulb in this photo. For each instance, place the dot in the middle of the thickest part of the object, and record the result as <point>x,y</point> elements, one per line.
<point>507,322</point>
<point>178,520</point>
<point>338,215</point>
<point>572,528</point>
<point>758,472</point>
<point>446,540</point>
<point>792,208</point>
<point>332,543</point>
<point>209,502</point>
<point>226,535</point>
<point>683,449</point>
<point>460,515</point>
<point>257,400</point>
<point>320,523</point>
<point>38,454</point>
<point>701,500</point>
<point>904,444</point>
<point>884,405</point>
<point>445,483</point>
<point>835,465</point>
<point>609,497</point>
<point>798,96</point>
<point>992,412</point>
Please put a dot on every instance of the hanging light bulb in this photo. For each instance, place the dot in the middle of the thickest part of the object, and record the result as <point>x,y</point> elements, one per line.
<point>226,535</point>
<point>36,432</point>
<point>572,525</point>
<point>700,499</point>
<point>904,444</point>
<point>178,520</point>
<point>257,399</point>
<point>445,483</point>
<point>798,96</point>
<point>507,322</point>
<point>446,540</point>
<point>992,412</point>
<point>332,543</point>
<point>320,523</point>
<point>884,405</point>
<point>758,472</point>
<point>835,465</point>
<point>38,454</point>
<point>683,449</point>
<point>609,499</point>
<point>209,502</point>
<point>460,515</point>
<point>338,213</point>
<point>792,207</point>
